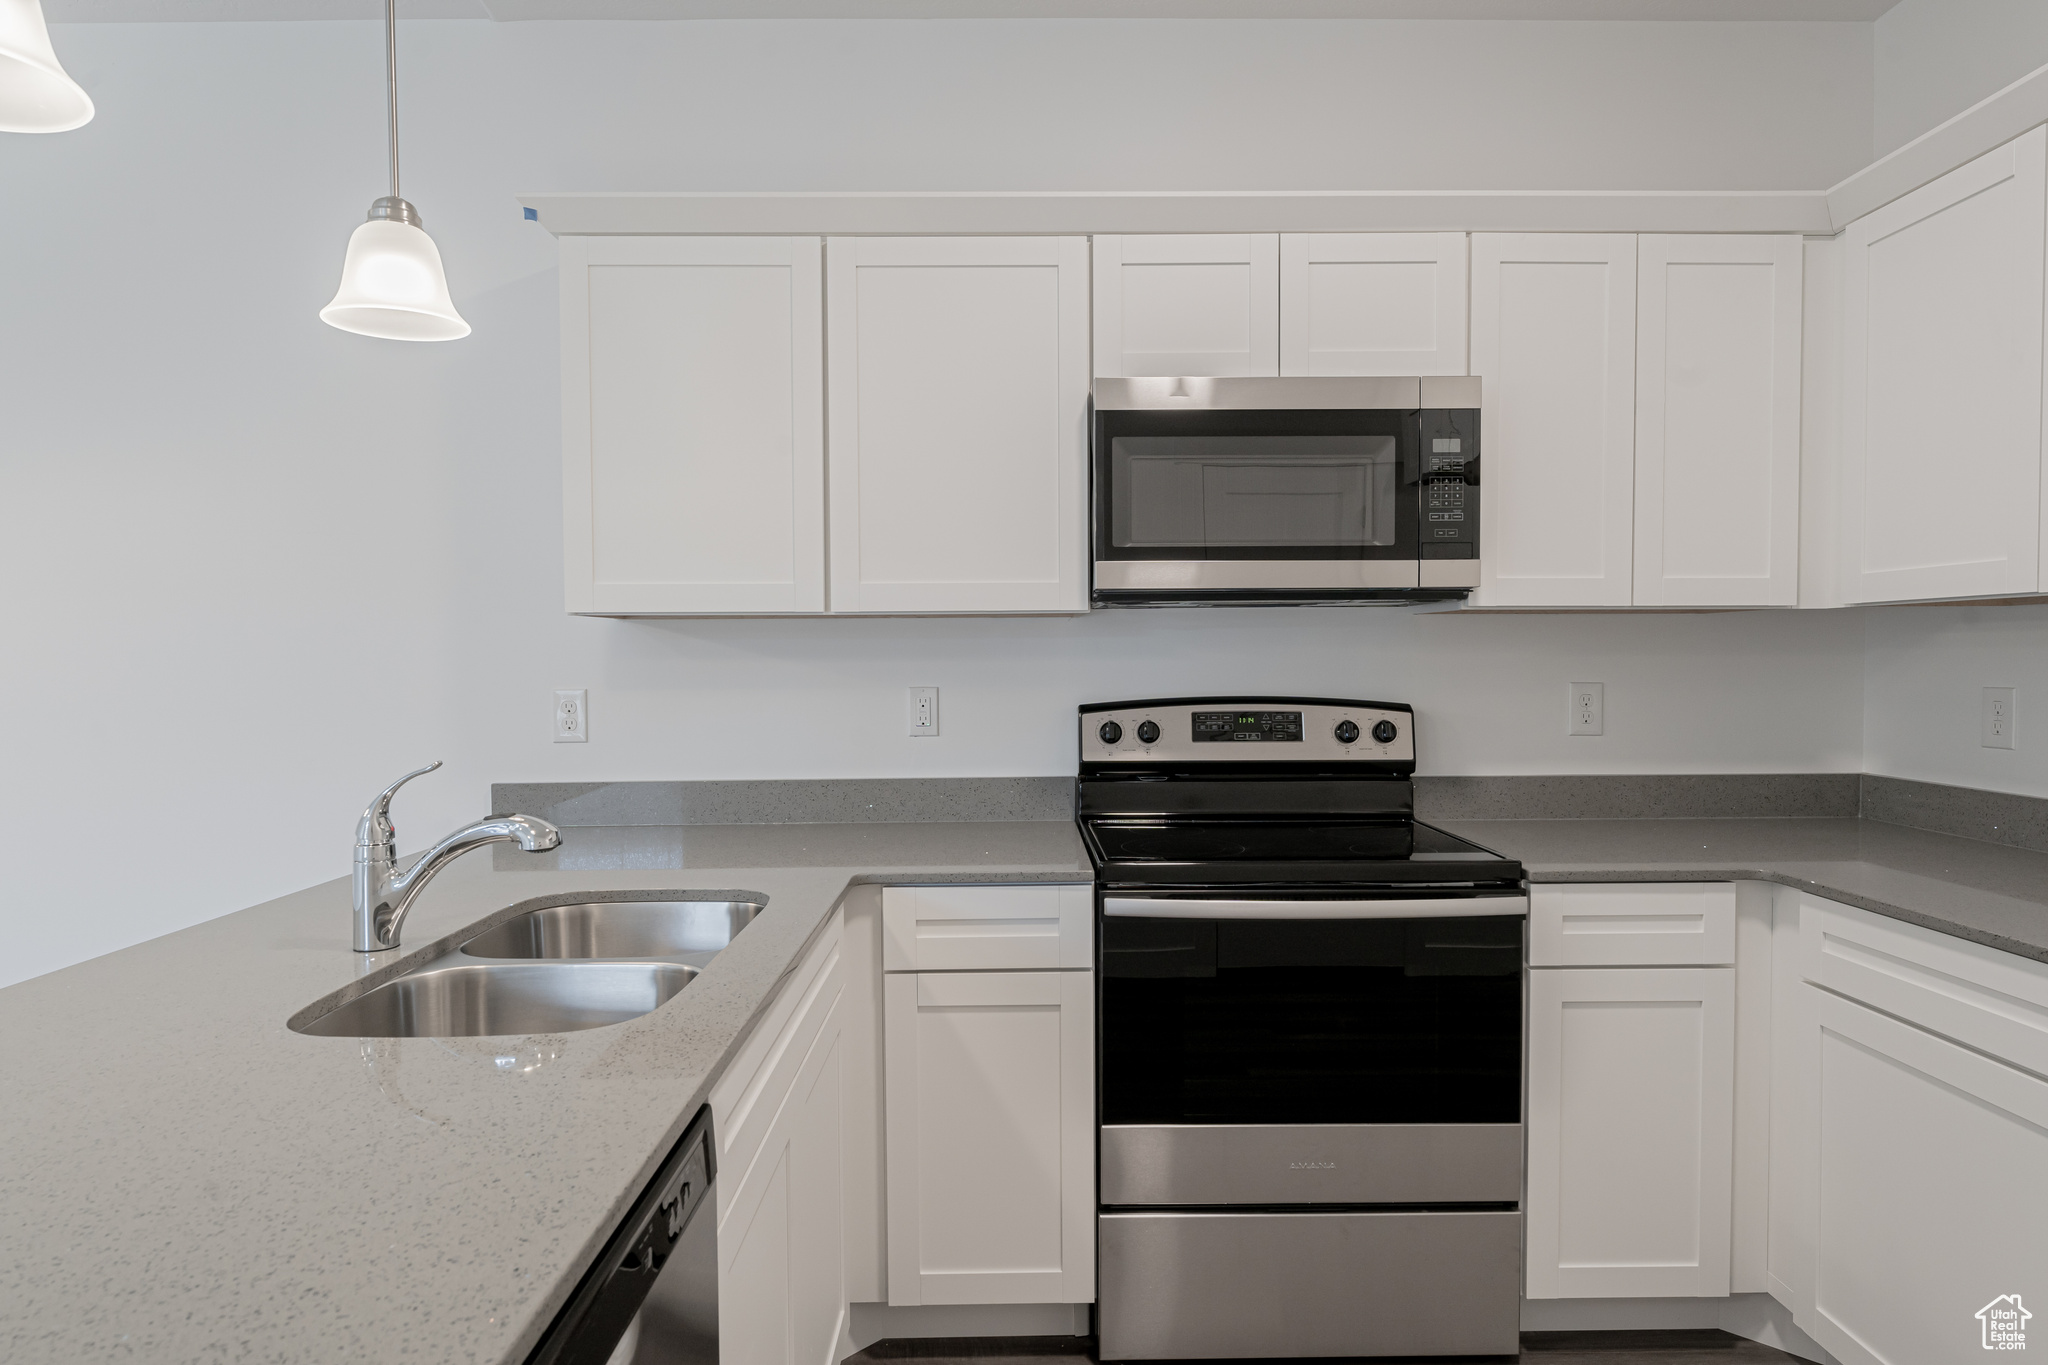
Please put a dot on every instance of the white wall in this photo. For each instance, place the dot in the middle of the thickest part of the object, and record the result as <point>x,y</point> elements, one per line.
<point>1925,674</point>
<point>255,567</point>
<point>1936,58</point>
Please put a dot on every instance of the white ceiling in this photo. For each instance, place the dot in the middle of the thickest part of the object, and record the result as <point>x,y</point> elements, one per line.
<point>142,11</point>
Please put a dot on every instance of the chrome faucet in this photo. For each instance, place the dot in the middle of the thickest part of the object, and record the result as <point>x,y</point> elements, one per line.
<point>383,894</point>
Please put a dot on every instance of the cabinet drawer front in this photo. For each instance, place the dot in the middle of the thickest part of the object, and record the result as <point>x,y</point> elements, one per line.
<point>1204,1285</point>
<point>1657,924</point>
<point>1989,1000</point>
<point>986,928</point>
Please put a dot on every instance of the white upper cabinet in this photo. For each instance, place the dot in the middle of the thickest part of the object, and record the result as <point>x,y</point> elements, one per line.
<point>958,399</point>
<point>1717,421</point>
<point>1372,303</point>
<point>1553,337</point>
<point>693,424</point>
<point>1200,304</point>
<point>1941,429</point>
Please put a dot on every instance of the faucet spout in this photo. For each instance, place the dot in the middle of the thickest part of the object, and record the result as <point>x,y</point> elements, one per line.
<point>384,896</point>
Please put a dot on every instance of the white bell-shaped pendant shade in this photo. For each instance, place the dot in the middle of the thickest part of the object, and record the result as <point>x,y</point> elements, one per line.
<point>35,94</point>
<point>392,286</point>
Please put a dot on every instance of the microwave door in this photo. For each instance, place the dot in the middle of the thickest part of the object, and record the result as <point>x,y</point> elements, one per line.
<point>1248,496</point>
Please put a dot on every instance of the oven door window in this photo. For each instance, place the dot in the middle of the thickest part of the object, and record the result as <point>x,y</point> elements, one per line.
<point>1197,493</point>
<point>1312,1021</point>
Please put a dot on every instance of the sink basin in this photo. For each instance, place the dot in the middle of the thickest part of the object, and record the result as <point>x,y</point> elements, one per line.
<point>615,929</point>
<point>465,1000</point>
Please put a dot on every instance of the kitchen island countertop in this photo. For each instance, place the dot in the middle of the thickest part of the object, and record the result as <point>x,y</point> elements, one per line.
<point>186,1179</point>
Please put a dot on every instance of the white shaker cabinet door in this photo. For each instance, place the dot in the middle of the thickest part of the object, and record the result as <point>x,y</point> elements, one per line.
<point>1941,390</point>
<point>1373,303</point>
<point>1931,1190</point>
<point>1631,1130</point>
<point>1718,328</point>
<point>990,1130</point>
<point>1553,338</point>
<point>693,436</point>
<point>777,1119</point>
<point>958,401</point>
<point>1202,304</point>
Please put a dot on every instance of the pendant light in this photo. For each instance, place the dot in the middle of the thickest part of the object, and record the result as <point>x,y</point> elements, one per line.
<point>392,284</point>
<point>35,94</point>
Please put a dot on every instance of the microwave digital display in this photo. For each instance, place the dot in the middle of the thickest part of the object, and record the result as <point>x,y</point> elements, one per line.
<point>1230,727</point>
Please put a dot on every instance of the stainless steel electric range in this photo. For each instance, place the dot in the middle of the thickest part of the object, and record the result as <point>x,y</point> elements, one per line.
<point>1310,1056</point>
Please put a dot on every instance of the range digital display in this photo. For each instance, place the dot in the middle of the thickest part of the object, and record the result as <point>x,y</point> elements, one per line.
<point>1258,727</point>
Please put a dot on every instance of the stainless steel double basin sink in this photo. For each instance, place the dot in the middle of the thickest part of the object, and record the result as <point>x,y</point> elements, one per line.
<point>552,970</point>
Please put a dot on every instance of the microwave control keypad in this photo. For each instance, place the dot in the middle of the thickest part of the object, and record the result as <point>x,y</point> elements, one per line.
<point>1444,489</point>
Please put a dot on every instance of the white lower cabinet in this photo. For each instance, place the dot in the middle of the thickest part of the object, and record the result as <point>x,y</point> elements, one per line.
<point>1915,1165</point>
<point>776,1119</point>
<point>1631,1118</point>
<point>1933,1189</point>
<point>989,1118</point>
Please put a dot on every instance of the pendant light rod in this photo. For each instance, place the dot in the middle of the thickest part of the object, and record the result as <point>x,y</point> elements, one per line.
<point>391,83</point>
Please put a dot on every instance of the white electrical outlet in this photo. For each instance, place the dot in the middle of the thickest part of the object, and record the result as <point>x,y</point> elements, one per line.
<point>1588,714</point>
<point>1996,723</point>
<point>924,710</point>
<point>572,716</point>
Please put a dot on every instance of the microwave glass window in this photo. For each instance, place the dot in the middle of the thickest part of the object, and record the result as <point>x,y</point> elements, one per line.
<point>1192,492</point>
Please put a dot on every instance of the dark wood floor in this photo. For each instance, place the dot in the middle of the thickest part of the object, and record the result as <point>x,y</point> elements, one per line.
<point>1538,1348</point>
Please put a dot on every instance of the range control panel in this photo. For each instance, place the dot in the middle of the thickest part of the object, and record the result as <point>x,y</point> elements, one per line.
<point>1216,730</point>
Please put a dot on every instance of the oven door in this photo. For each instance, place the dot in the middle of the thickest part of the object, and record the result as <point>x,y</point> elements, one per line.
<point>1311,1051</point>
<point>1311,1125</point>
<point>1249,503</point>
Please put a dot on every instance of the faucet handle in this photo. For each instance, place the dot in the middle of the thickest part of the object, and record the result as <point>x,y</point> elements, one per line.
<point>375,826</point>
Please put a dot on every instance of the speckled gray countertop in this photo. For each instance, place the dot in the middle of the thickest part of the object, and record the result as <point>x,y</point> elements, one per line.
<point>182,1178</point>
<point>1989,893</point>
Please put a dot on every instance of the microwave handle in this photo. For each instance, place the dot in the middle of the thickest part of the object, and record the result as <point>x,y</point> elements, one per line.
<point>1196,907</point>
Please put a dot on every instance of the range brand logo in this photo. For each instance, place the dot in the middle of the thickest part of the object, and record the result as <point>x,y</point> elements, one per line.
<point>1311,1165</point>
<point>2005,1323</point>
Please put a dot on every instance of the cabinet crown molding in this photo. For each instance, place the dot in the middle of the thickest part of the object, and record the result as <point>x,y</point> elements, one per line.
<point>943,212</point>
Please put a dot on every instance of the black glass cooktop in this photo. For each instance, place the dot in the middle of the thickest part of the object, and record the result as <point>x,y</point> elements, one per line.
<point>1315,850</point>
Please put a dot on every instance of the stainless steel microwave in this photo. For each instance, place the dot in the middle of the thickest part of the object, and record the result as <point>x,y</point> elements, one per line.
<point>1246,491</point>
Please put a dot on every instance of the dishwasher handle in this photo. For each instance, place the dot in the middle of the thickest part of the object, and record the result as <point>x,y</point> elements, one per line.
<point>1273,907</point>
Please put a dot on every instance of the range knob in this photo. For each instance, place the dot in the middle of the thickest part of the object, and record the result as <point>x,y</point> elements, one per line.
<point>1111,732</point>
<point>1347,731</point>
<point>1384,732</point>
<point>1147,732</point>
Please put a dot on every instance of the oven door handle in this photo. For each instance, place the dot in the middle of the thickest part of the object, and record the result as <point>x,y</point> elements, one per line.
<point>1193,907</point>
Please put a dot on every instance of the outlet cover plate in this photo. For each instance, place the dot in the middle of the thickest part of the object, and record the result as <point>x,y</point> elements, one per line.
<point>1996,718</point>
<point>922,711</point>
<point>572,715</point>
<point>1587,709</point>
